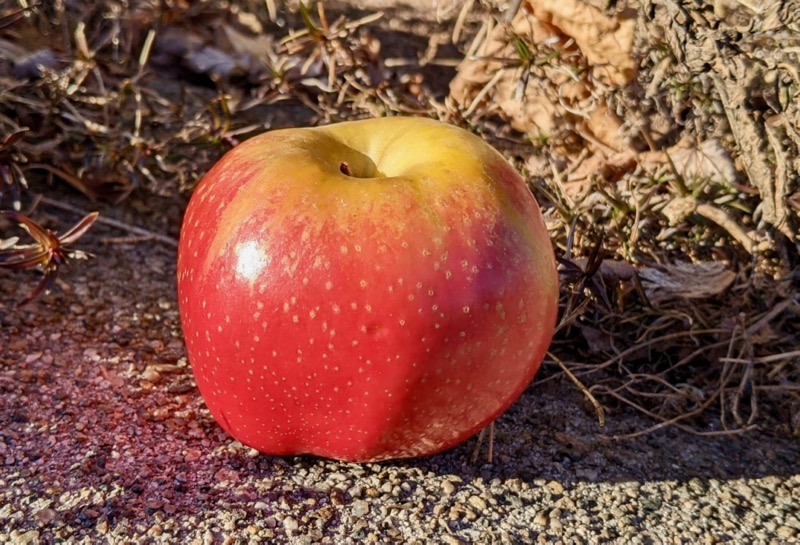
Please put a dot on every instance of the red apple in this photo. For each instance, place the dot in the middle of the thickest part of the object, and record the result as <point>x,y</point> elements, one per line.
<point>364,291</point>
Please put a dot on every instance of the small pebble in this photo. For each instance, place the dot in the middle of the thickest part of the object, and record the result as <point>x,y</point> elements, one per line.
<point>555,487</point>
<point>477,502</point>
<point>360,508</point>
<point>290,524</point>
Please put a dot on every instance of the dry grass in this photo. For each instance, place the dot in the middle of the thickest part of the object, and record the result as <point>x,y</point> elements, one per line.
<point>675,217</point>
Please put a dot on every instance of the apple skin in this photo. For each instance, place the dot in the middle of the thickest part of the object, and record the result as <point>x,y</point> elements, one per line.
<point>364,291</point>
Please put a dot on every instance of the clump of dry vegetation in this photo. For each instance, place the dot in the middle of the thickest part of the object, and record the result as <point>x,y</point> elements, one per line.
<point>662,139</point>
<point>666,147</point>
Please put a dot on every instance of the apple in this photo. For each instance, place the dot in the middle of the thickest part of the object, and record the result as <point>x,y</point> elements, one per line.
<point>364,291</point>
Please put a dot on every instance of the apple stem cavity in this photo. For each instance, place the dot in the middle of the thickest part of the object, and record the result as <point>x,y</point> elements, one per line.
<point>344,168</point>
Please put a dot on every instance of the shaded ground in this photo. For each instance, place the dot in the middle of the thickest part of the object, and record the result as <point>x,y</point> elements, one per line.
<point>103,434</point>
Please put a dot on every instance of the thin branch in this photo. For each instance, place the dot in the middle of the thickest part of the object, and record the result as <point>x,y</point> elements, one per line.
<point>728,223</point>
<point>601,415</point>
<point>168,241</point>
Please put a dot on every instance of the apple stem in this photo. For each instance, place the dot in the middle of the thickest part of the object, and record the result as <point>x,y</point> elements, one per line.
<point>344,168</point>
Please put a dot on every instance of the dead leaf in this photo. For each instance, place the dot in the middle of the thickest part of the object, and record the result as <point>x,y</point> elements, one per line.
<point>679,208</point>
<point>707,161</point>
<point>612,271</point>
<point>173,44</point>
<point>606,42</point>
<point>685,281</point>
<point>34,64</point>
<point>599,166</point>
<point>540,72</point>
<point>254,50</point>
<point>224,53</point>
<point>598,341</point>
<point>215,63</point>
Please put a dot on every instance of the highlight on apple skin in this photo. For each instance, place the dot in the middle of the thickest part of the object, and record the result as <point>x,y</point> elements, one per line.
<point>364,291</point>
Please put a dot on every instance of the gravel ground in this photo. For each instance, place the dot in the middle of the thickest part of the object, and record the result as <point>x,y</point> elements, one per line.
<point>104,438</point>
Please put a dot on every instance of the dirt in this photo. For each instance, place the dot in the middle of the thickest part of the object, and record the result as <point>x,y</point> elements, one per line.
<point>104,437</point>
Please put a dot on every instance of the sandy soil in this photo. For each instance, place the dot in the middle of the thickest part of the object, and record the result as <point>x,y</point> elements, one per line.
<point>104,438</point>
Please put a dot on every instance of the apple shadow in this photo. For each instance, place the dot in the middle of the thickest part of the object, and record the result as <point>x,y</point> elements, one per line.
<point>552,432</point>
